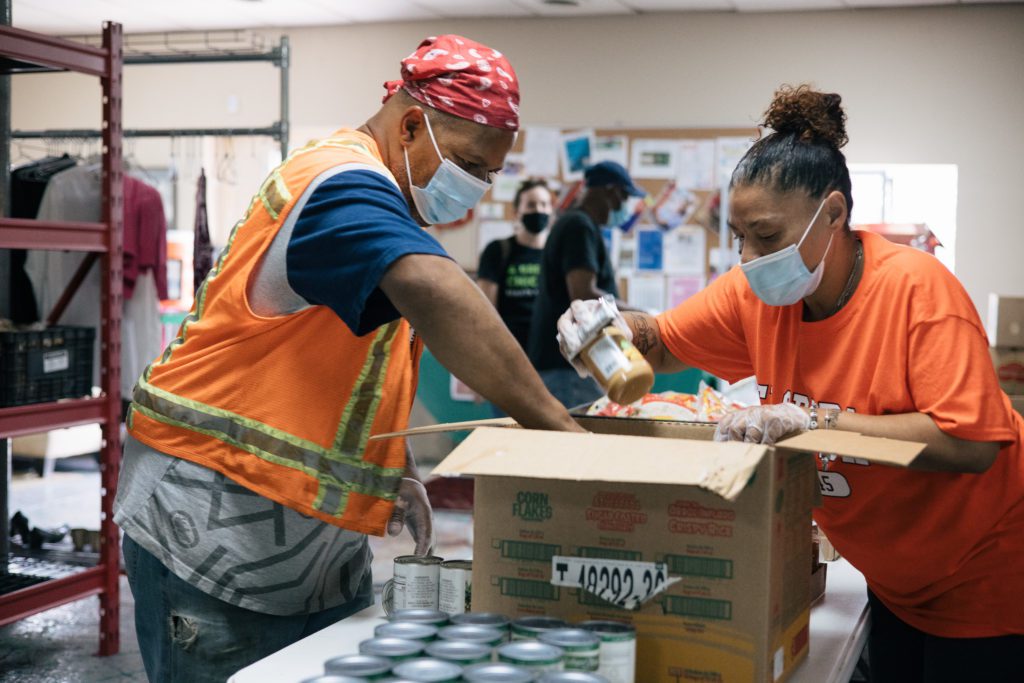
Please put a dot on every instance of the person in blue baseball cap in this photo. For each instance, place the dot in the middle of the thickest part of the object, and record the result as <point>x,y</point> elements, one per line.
<point>576,265</point>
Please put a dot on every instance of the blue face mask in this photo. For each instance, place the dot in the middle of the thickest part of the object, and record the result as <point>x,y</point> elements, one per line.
<point>616,217</point>
<point>451,192</point>
<point>781,279</point>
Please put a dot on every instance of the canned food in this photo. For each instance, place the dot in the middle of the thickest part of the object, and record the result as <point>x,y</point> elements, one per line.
<point>582,648</point>
<point>358,666</point>
<point>532,655</point>
<point>331,678</point>
<point>492,619</point>
<point>525,628</point>
<point>472,634</point>
<point>427,670</point>
<point>571,677</point>
<point>395,649</point>
<point>423,616</point>
<point>461,652</point>
<point>455,586</point>
<point>410,630</point>
<point>416,582</point>
<point>497,673</point>
<point>618,649</point>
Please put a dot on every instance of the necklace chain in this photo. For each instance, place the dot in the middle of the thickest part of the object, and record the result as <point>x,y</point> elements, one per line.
<point>858,260</point>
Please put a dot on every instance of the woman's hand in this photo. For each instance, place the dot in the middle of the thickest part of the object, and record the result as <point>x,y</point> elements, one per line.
<point>763,424</point>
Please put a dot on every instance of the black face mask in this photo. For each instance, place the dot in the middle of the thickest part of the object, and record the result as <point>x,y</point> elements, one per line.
<point>535,222</point>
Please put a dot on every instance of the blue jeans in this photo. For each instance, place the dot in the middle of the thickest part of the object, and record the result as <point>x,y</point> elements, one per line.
<point>570,389</point>
<point>186,635</point>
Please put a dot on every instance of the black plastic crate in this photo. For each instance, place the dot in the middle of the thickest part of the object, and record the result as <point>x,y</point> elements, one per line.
<point>45,365</point>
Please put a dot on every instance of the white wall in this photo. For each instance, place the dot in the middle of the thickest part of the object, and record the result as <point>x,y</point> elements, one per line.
<point>921,85</point>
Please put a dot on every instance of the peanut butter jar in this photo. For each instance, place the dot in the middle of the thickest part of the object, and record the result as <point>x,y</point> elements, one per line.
<point>618,366</point>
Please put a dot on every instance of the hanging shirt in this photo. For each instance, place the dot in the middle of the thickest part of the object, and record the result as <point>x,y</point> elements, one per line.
<point>943,551</point>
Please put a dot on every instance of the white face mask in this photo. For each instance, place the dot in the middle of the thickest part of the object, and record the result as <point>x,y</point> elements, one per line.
<point>451,192</point>
<point>781,279</point>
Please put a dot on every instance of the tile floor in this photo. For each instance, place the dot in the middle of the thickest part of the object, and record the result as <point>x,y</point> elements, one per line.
<point>59,646</point>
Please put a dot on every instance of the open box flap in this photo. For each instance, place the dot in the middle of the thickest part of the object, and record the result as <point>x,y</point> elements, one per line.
<point>722,468</point>
<point>448,427</point>
<point>851,444</point>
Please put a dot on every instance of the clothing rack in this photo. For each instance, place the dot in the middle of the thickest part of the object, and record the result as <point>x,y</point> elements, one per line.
<point>279,56</point>
<point>27,52</point>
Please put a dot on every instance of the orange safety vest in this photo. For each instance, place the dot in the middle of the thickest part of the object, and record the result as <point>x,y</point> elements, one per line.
<point>285,406</point>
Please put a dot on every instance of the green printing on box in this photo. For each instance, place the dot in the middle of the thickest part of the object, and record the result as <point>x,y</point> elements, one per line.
<point>689,565</point>
<point>532,552</point>
<point>527,588</point>
<point>609,553</point>
<point>701,608</point>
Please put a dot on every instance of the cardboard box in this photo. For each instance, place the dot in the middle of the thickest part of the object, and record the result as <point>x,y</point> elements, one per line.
<point>567,524</point>
<point>1005,321</point>
<point>1009,365</point>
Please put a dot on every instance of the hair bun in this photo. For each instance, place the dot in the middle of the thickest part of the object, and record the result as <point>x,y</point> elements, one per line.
<point>808,114</point>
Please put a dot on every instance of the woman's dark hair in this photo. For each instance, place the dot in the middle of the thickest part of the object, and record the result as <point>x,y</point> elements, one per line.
<point>526,186</point>
<point>803,151</point>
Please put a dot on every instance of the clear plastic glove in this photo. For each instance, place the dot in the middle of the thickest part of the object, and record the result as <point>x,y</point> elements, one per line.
<point>582,322</point>
<point>412,510</point>
<point>763,424</point>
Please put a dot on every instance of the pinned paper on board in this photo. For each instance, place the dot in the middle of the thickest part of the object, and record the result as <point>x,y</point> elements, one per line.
<point>696,164</point>
<point>575,151</point>
<point>488,231</point>
<point>611,148</point>
<point>507,182</point>
<point>647,291</point>
<point>679,288</point>
<point>540,151</point>
<point>654,158</point>
<point>684,251</point>
<point>728,152</point>
<point>650,249</point>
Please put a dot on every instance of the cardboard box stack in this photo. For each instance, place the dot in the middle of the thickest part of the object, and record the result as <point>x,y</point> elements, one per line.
<point>1006,338</point>
<point>702,546</point>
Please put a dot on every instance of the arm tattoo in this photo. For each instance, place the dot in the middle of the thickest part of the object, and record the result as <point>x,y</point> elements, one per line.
<point>645,339</point>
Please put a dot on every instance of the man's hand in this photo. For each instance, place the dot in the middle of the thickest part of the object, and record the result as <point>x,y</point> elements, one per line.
<point>582,322</point>
<point>412,510</point>
<point>763,424</point>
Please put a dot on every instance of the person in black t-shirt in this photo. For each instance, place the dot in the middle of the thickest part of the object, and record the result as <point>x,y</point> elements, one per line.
<point>576,265</point>
<point>510,268</point>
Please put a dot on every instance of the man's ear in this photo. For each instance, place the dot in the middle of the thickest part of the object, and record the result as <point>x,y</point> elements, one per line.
<point>411,124</point>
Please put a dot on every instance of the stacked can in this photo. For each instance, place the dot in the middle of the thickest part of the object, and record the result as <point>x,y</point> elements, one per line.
<point>532,655</point>
<point>428,670</point>
<point>618,649</point>
<point>409,630</point>
<point>365,667</point>
<point>489,619</point>
<point>393,649</point>
<point>582,648</point>
<point>455,586</point>
<point>527,628</point>
<point>460,652</point>
<point>416,582</point>
<point>497,673</point>
<point>571,677</point>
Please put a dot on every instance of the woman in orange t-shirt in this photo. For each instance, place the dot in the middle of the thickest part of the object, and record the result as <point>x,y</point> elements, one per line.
<point>845,330</point>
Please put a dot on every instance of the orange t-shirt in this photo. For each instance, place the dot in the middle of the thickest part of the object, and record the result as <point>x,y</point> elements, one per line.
<point>943,551</point>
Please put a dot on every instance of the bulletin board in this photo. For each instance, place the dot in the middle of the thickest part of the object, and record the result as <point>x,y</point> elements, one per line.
<point>683,181</point>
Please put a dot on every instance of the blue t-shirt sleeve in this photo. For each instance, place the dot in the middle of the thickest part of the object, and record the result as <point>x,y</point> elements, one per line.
<point>353,227</point>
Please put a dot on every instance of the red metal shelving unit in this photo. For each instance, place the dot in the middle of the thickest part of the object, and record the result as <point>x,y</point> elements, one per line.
<point>25,52</point>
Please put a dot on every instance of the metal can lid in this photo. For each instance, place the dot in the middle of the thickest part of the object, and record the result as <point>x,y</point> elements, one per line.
<point>358,665</point>
<point>458,650</point>
<point>331,678</point>
<point>571,677</point>
<point>531,651</point>
<point>419,559</point>
<point>571,639</point>
<point>426,616</point>
<point>457,564</point>
<point>391,647</point>
<point>428,670</point>
<point>537,624</point>
<point>411,630</point>
<point>497,673</point>
<point>471,633</point>
<point>610,630</point>
<point>499,621</point>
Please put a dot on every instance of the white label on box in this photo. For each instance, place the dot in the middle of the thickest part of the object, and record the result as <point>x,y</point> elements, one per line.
<point>607,357</point>
<point>55,361</point>
<point>779,664</point>
<point>620,582</point>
